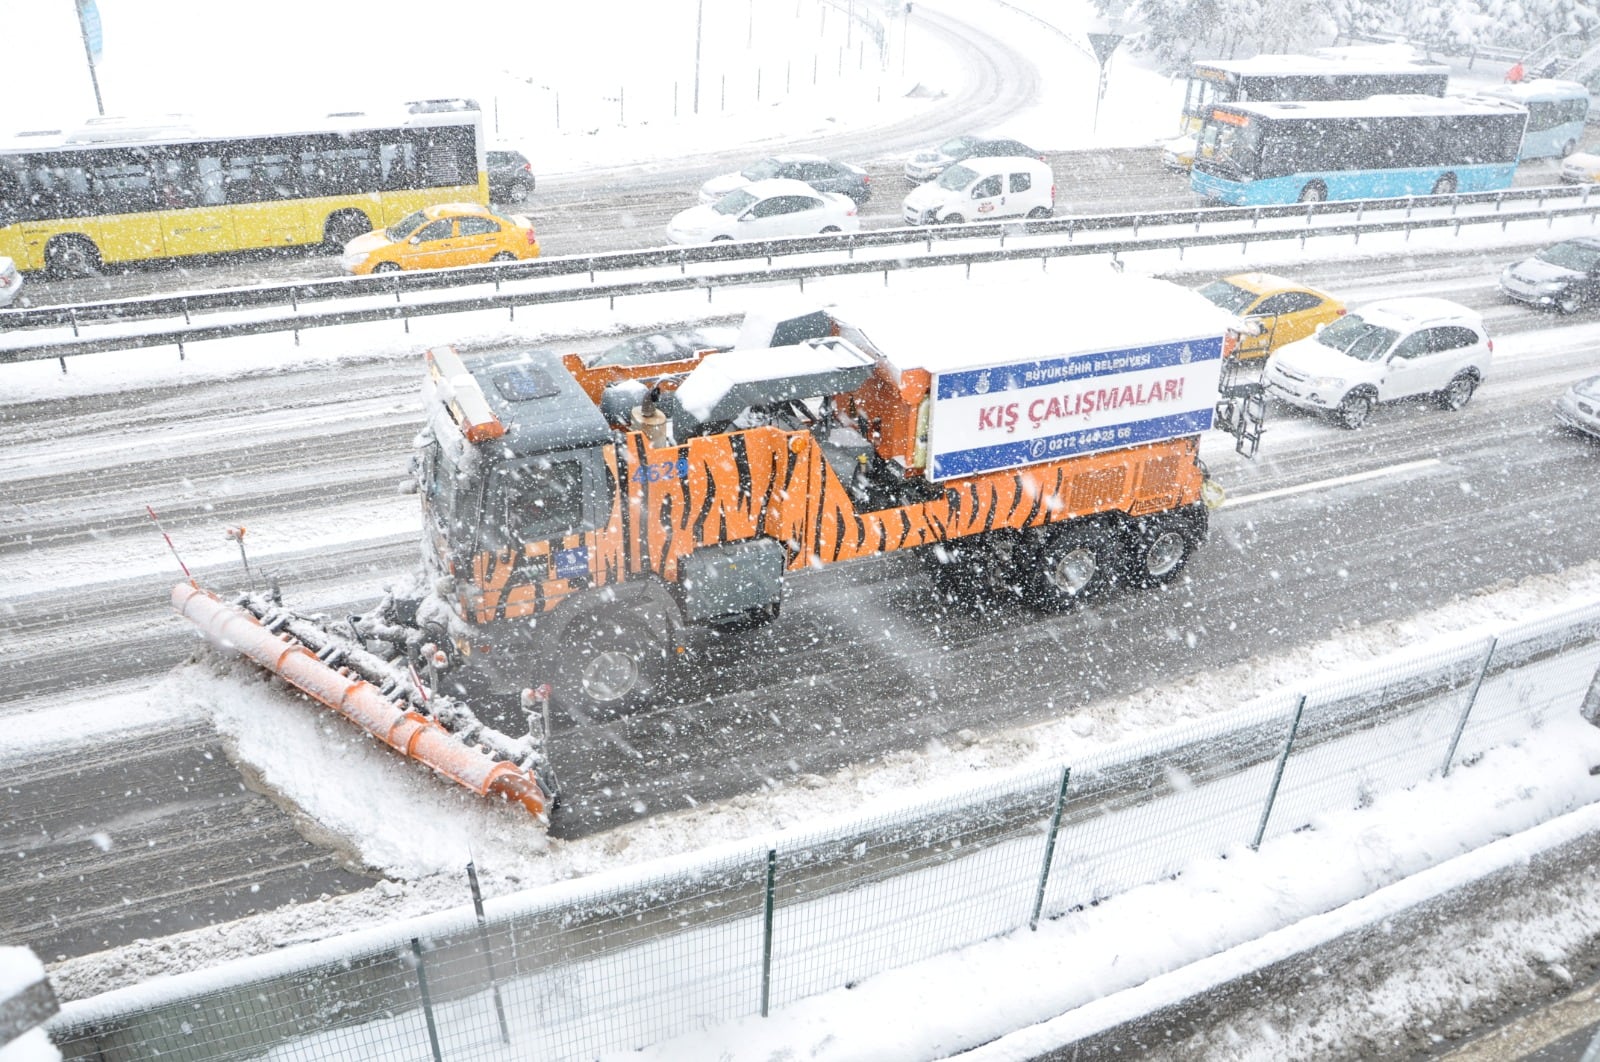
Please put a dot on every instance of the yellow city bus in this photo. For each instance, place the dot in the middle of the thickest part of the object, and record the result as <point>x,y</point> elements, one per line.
<point>119,191</point>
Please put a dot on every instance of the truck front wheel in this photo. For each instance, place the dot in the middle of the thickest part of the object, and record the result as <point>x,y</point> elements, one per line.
<point>1075,562</point>
<point>610,665</point>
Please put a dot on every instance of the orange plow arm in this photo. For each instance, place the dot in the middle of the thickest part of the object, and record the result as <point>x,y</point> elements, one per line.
<point>408,732</point>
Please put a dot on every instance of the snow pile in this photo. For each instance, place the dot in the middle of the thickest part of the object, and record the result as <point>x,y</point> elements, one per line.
<point>19,970</point>
<point>293,749</point>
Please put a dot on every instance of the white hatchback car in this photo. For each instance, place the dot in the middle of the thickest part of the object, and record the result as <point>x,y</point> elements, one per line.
<point>1387,350</point>
<point>10,280</point>
<point>1581,167</point>
<point>983,189</point>
<point>765,210</point>
<point>1579,408</point>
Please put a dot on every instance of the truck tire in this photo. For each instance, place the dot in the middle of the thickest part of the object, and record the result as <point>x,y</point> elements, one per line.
<point>950,570</point>
<point>610,665</point>
<point>1159,547</point>
<point>1075,562</point>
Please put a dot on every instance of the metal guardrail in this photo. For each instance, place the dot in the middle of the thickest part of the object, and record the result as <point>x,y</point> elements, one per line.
<point>1050,238</point>
<point>634,956</point>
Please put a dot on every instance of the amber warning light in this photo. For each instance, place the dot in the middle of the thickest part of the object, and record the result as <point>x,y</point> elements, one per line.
<point>460,391</point>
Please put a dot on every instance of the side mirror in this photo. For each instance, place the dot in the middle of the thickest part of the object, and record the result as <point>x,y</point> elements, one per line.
<point>414,240</point>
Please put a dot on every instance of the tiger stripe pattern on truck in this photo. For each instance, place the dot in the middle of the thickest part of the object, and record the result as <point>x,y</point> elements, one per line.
<point>766,482</point>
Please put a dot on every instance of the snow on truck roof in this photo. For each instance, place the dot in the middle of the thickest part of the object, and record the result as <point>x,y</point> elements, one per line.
<point>1083,312</point>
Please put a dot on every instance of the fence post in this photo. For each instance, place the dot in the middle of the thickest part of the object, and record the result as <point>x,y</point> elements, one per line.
<point>488,957</point>
<point>1049,850</point>
<point>766,932</point>
<point>427,1004</point>
<point>1277,774</point>
<point>1472,698</point>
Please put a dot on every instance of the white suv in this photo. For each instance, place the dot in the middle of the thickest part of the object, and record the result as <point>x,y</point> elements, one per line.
<point>1390,349</point>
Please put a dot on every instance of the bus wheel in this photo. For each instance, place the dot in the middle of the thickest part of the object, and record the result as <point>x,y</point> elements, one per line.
<point>1445,185</point>
<point>386,267</point>
<point>504,256</point>
<point>1315,192</point>
<point>1075,562</point>
<point>343,227</point>
<point>1039,213</point>
<point>72,256</point>
<point>953,219</point>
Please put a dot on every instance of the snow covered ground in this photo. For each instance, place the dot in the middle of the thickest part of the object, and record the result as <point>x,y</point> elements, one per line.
<point>983,991</point>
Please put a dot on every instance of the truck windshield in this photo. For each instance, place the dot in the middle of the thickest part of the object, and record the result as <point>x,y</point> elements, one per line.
<point>540,500</point>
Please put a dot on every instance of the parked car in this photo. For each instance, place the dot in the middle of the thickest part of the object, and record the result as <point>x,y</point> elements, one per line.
<point>1178,153</point>
<point>1390,349</point>
<point>449,234</point>
<point>821,174</point>
<point>1274,311</point>
<point>1565,275</point>
<point>1579,408</point>
<point>926,165</point>
<point>1581,167</point>
<point>983,189</point>
<point>510,176</point>
<point>765,210</point>
<point>657,347</point>
<point>10,281</point>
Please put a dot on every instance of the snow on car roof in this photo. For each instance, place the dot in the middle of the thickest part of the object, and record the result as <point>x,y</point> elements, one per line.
<point>1073,311</point>
<point>779,186</point>
<point>1420,308</point>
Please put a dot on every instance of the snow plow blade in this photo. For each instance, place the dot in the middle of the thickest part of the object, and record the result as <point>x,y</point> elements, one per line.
<point>403,729</point>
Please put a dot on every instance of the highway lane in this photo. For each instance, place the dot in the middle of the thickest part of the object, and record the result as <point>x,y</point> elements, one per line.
<point>868,663</point>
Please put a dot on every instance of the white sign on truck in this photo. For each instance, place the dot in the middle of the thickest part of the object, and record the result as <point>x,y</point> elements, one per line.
<point>996,417</point>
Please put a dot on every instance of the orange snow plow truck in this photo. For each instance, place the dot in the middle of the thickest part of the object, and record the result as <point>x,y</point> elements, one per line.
<point>582,525</point>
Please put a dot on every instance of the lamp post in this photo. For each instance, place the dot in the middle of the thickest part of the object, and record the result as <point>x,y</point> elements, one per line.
<point>699,16</point>
<point>89,29</point>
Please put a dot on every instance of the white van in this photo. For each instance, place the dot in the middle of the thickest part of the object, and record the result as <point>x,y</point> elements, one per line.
<point>983,189</point>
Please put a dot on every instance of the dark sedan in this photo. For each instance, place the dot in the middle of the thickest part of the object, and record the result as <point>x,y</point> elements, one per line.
<point>510,177</point>
<point>926,165</point>
<point>824,175</point>
<point>1565,275</point>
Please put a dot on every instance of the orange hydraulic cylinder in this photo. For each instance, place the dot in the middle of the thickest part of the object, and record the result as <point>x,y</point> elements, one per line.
<point>417,736</point>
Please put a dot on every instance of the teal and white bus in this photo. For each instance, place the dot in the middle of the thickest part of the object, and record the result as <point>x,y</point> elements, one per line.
<point>1252,154</point>
<point>1329,74</point>
<point>1557,111</point>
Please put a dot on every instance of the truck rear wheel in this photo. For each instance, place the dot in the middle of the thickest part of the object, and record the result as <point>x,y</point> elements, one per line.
<point>1075,562</point>
<point>1159,547</point>
<point>610,665</point>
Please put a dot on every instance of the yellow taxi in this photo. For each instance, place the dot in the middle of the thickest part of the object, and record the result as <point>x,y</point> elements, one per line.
<point>435,237</point>
<point>1273,310</point>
